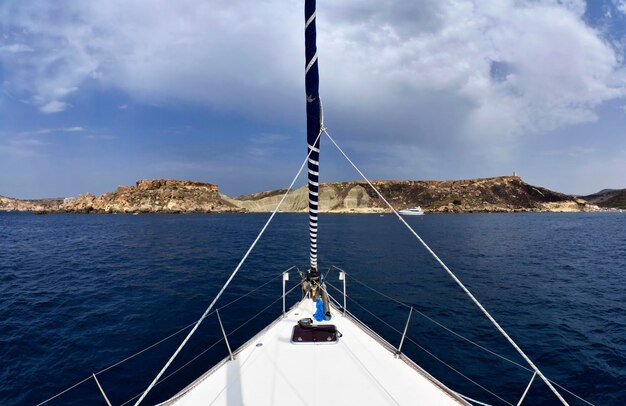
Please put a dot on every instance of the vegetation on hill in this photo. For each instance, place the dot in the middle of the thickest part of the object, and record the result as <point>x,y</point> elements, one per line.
<point>609,198</point>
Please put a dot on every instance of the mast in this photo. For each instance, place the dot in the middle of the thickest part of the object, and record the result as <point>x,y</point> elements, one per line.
<point>313,123</point>
<point>313,285</point>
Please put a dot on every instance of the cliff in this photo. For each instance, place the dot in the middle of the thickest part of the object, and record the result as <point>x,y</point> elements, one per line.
<point>499,194</point>
<point>37,205</point>
<point>608,198</point>
<point>152,196</point>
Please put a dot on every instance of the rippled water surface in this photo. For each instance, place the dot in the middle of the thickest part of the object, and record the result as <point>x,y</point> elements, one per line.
<point>80,292</point>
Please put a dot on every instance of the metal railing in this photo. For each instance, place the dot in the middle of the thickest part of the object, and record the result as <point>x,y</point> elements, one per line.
<point>403,336</point>
<point>342,276</point>
<point>284,277</point>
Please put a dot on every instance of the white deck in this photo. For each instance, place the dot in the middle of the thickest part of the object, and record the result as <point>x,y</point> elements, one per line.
<point>359,369</point>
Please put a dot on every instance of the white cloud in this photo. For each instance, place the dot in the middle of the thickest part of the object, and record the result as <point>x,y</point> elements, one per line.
<point>45,131</point>
<point>571,151</point>
<point>576,6</point>
<point>20,146</point>
<point>269,138</point>
<point>53,106</point>
<point>15,48</point>
<point>559,68</point>
<point>103,137</point>
<point>476,72</point>
<point>620,5</point>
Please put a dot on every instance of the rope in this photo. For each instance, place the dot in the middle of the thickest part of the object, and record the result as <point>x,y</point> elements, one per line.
<point>191,324</point>
<point>454,277</point>
<point>166,338</point>
<point>101,390</point>
<point>352,277</point>
<point>214,344</point>
<point>527,389</point>
<point>422,348</point>
<point>68,389</point>
<point>371,375</point>
<point>572,393</point>
<point>166,377</point>
<point>219,294</point>
<point>472,400</point>
<point>440,324</point>
<point>457,371</point>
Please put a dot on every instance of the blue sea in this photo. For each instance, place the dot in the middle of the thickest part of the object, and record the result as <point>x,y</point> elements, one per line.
<point>78,293</point>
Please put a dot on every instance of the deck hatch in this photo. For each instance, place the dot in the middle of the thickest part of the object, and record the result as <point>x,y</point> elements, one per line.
<point>320,334</point>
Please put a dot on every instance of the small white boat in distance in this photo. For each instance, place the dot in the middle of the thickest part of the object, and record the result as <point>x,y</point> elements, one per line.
<point>413,211</point>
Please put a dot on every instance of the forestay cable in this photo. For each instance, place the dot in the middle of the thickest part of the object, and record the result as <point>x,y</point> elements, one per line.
<point>462,337</point>
<point>230,278</point>
<point>454,277</point>
<point>524,367</point>
<point>164,339</point>
<point>412,341</point>
<point>215,343</point>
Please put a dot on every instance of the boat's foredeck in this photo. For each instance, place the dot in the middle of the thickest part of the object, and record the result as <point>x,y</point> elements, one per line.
<point>270,370</point>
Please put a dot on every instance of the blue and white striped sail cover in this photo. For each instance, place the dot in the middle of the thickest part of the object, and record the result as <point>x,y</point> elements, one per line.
<point>313,122</point>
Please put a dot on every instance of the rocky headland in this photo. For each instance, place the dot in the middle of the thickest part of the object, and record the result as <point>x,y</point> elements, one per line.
<point>36,205</point>
<point>498,194</point>
<point>608,198</point>
<point>153,196</point>
<point>146,196</point>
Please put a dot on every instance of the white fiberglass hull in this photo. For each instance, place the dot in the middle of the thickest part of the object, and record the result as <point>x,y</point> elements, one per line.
<point>360,369</point>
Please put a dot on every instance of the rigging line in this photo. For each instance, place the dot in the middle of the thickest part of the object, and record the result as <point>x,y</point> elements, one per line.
<point>527,389</point>
<point>442,325</point>
<point>371,375</point>
<point>260,338</point>
<point>423,349</point>
<point>214,344</point>
<point>372,289</point>
<point>457,371</point>
<point>165,339</point>
<point>191,324</point>
<point>455,333</point>
<point>428,352</point>
<point>104,395</point>
<point>166,377</point>
<point>454,277</point>
<point>120,362</point>
<point>263,310</point>
<point>359,361</point>
<point>327,272</point>
<point>472,400</point>
<point>68,389</point>
<point>230,278</point>
<point>572,393</point>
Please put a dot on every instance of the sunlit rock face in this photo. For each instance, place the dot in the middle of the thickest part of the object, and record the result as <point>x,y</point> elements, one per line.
<point>499,194</point>
<point>38,205</point>
<point>153,196</point>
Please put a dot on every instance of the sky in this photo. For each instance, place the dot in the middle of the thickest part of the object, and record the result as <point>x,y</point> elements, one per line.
<point>99,94</point>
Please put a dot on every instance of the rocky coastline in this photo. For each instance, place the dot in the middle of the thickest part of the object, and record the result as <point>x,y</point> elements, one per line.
<point>608,198</point>
<point>497,194</point>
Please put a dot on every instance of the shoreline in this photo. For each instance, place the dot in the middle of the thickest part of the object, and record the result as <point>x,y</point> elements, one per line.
<point>353,212</point>
<point>504,194</point>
